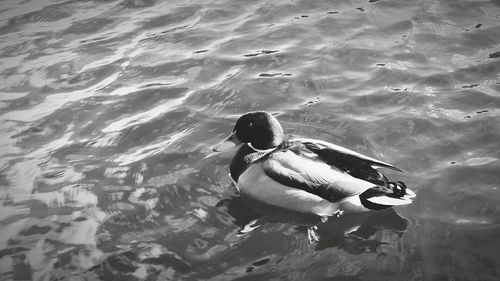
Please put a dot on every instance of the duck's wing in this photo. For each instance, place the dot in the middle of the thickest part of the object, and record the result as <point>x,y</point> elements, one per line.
<point>341,157</point>
<point>300,168</point>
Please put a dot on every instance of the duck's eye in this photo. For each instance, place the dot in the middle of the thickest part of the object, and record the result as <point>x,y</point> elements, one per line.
<point>250,124</point>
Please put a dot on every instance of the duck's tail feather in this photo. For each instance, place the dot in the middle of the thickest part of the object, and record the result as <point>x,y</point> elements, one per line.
<point>395,194</point>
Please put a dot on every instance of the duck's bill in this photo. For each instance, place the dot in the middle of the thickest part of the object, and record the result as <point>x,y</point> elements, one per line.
<point>228,143</point>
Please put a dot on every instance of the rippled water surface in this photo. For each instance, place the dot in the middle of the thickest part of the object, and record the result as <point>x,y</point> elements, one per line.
<point>109,109</point>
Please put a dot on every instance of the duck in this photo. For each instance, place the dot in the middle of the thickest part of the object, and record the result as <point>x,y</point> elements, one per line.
<point>304,175</point>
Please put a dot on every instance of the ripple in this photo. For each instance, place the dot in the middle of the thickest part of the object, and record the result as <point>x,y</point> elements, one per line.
<point>5,96</point>
<point>151,150</point>
<point>146,116</point>
<point>478,161</point>
<point>68,196</point>
<point>56,101</point>
<point>152,85</point>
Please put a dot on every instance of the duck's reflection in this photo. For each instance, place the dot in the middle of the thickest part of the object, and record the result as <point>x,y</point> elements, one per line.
<point>355,233</point>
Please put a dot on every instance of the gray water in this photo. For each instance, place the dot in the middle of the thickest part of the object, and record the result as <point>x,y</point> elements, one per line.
<point>109,109</point>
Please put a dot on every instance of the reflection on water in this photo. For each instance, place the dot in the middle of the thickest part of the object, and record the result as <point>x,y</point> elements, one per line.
<point>108,110</point>
<point>351,232</point>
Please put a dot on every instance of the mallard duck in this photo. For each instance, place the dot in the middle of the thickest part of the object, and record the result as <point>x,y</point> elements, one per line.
<point>304,175</point>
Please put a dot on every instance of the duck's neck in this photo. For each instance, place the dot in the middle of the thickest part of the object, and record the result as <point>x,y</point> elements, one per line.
<point>245,156</point>
<point>260,150</point>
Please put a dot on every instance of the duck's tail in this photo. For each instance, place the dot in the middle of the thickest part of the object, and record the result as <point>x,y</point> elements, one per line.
<point>395,194</point>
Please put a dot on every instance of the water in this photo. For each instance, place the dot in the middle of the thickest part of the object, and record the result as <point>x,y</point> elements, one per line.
<point>109,109</point>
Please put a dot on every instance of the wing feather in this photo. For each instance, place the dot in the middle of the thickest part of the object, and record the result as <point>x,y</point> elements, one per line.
<point>314,176</point>
<point>334,152</point>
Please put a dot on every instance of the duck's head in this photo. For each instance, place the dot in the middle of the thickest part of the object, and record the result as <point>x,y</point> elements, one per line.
<point>259,130</point>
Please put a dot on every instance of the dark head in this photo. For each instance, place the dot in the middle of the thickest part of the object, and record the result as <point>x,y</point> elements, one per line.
<point>259,129</point>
